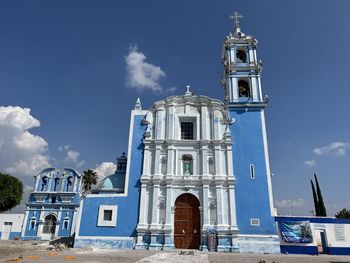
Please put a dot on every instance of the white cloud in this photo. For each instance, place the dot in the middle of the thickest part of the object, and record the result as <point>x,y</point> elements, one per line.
<point>142,75</point>
<point>72,156</point>
<point>310,163</point>
<point>290,203</point>
<point>105,168</point>
<point>21,152</point>
<point>334,148</point>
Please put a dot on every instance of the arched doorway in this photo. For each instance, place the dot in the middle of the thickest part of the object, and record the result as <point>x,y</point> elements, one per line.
<point>187,222</point>
<point>49,227</point>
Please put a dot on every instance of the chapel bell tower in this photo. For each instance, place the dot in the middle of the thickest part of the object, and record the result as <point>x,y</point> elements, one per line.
<point>246,105</point>
<point>241,76</point>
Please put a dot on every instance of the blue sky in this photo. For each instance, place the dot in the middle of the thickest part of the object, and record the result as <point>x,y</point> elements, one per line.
<point>67,61</point>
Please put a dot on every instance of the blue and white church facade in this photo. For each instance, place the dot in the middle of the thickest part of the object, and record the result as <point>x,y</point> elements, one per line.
<point>51,210</point>
<point>194,164</point>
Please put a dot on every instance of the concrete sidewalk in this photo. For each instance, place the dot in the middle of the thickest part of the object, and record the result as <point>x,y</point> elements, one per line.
<point>31,251</point>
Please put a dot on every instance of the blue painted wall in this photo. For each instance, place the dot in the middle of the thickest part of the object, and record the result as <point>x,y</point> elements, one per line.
<point>29,231</point>
<point>309,250</point>
<point>252,196</point>
<point>13,235</point>
<point>320,220</point>
<point>128,207</point>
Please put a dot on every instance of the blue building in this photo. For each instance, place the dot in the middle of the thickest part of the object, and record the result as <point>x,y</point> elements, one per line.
<point>194,164</point>
<point>108,217</point>
<point>53,204</point>
<point>314,235</point>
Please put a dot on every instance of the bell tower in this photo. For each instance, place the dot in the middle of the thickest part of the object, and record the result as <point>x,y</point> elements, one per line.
<point>245,103</point>
<point>242,70</point>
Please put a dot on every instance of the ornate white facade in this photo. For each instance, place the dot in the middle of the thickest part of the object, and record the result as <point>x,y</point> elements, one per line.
<point>175,163</point>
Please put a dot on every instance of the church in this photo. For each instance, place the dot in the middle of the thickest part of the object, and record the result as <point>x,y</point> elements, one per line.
<point>194,164</point>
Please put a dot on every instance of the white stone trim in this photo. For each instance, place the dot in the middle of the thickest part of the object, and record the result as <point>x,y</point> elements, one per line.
<point>24,224</point>
<point>252,171</point>
<point>79,218</point>
<point>256,219</point>
<point>73,222</point>
<point>113,221</point>
<point>267,163</point>
<point>131,132</point>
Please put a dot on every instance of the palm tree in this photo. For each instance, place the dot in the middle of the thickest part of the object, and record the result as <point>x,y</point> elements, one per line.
<point>343,214</point>
<point>89,179</point>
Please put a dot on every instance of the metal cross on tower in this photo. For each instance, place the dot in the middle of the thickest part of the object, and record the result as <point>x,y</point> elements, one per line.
<point>235,17</point>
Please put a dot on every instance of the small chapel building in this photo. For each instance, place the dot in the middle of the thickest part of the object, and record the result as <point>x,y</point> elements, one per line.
<point>52,207</point>
<point>194,164</point>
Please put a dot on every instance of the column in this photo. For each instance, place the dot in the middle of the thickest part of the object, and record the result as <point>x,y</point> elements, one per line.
<point>155,217</point>
<point>234,89</point>
<point>255,58</point>
<point>143,206</point>
<point>204,151</point>
<point>170,161</point>
<point>254,88</point>
<point>232,206</point>
<point>36,183</point>
<point>146,162</point>
<point>168,229</point>
<point>157,160</point>
<point>205,205</point>
<point>161,124</point>
<point>260,92</point>
<point>155,207</point>
<point>232,56</point>
<point>142,225</point>
<point>205,123</point>
<point>219,212</point>
<point>217,151</point>
<point>251,55</point>
<point>171,123</point>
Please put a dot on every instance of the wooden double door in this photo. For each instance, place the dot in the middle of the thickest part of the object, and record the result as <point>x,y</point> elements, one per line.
<point>187,222</point>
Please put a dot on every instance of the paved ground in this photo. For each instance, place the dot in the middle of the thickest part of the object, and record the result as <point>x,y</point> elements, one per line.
<point>29,251</point>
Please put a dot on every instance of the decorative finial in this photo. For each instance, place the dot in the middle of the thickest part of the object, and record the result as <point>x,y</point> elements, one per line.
<point>188,92</point>
<point>138,104</point>
<point>235,17</point>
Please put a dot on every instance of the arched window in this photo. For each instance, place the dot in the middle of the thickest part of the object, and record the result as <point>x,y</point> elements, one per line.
<point>187,164</point>
<point>243,88</point>
<point>65,224</point>
<point>43,183</point>
<point>69,183</point>
<point>56,184</point>
<point>32,223</point>
<point>211,165</point>
<point>241,56</point>
<point>163,165</point>
<point>49,224</point>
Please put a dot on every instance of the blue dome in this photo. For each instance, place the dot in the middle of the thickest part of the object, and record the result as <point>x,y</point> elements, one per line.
<point>114,182</point>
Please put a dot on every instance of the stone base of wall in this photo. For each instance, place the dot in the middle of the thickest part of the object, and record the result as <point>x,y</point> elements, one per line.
<point>127,243</point>
<point>258,244</point>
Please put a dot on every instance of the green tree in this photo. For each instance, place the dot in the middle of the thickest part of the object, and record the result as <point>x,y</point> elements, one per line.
<point>11,191</point>
<point>343,214</point>
<point>321,206</point>
<point>89,178</point>
<point>320,209</point>
<point>317,210</point>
